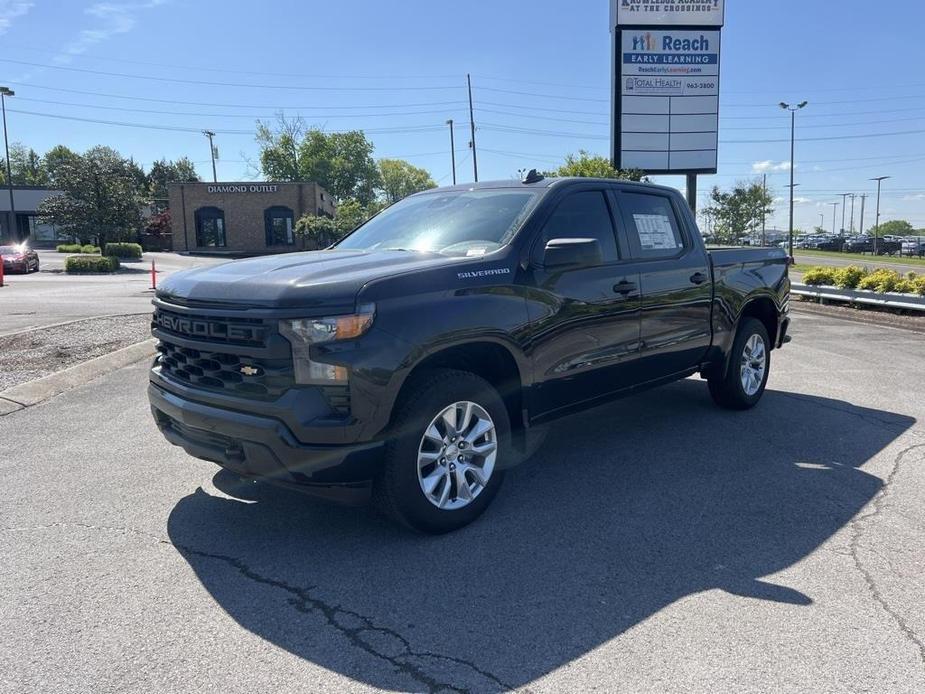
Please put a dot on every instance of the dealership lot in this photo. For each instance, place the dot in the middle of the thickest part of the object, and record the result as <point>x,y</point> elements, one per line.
<point>655,544</point>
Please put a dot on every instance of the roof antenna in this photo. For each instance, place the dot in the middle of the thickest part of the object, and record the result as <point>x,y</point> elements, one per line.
<point>533,176</point>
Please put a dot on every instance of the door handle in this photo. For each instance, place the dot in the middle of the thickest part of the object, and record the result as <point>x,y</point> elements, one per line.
<point>698,278</point>
<point>624,287</point>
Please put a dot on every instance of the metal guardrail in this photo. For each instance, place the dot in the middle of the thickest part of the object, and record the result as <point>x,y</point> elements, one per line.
<point>911,302</point>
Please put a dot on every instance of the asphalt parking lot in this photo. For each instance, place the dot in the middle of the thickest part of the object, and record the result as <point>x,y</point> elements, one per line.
<point>50,296</point>
<point>657,544</point>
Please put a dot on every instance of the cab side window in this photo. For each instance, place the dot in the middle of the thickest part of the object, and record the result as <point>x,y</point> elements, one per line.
<point>584,215</point>
<point>651,225</point>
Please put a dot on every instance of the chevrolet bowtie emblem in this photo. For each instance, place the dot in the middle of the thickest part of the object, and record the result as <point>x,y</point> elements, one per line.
<point>250,370</point>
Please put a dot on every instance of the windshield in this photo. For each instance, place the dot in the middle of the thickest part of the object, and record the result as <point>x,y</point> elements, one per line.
<point>464,223</point>
<point>11,250</point>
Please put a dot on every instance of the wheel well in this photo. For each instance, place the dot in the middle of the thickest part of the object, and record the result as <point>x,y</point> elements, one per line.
<point>487,360</point>
<point>764,310</point>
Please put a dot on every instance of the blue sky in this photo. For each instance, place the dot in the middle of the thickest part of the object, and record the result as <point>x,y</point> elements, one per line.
<point>541,84</point>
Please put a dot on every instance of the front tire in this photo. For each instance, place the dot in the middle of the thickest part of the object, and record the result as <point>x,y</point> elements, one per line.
<point>749,366</point>
<point>442,464</point>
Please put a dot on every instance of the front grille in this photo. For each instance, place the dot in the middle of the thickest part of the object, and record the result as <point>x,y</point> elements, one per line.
<point>231,331</point>
<point>229,373</point>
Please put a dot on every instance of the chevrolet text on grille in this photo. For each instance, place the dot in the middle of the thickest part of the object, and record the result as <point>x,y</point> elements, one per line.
<point>204,328</point>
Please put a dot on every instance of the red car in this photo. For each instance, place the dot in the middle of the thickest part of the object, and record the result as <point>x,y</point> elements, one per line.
<point>19,258</point>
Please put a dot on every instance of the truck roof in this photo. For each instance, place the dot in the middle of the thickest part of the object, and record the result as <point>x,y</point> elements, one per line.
<point>548,182</point>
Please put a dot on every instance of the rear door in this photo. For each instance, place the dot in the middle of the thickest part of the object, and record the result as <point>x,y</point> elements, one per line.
<point>675,283</point>
<point>584,321</point>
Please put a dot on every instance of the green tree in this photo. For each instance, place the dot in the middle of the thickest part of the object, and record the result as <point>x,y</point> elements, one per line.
<point>895,227</point>
<point>163,172</point>
<point>587,165</point>
<point>739,211</point>
<point>342,163</point>
<point>401,179</point>
<point>55,160</point>
<point>26,166</point>
<point>100,199</point>
<point>317,232</point>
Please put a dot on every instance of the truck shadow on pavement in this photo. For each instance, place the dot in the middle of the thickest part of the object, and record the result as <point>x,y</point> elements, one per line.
<point>623,511</point>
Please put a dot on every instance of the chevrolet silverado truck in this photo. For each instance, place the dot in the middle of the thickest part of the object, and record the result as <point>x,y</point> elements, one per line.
<point>418,358</point>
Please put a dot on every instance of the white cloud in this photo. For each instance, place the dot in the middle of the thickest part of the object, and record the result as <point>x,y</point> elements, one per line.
<point>10,10</point>
<point>796,201</point>
<point>112,18</point>
<point>917,196</point>
<point>770,166</point>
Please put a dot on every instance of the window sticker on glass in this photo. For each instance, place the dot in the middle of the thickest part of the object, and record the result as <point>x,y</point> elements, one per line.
<point>655,232</point>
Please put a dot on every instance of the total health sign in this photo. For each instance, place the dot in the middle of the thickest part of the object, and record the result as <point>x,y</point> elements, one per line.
<point>666,90</point>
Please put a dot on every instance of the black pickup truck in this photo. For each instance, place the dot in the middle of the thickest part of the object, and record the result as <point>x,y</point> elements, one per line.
<point>417,359</point>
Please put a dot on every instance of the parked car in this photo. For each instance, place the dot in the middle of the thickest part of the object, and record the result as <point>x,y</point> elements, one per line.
<point>914,247</point>
<point>416,359</point>
<point>832,244</point>
<point>19,258</point>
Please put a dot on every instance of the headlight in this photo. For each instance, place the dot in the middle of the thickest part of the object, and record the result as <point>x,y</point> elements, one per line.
<point>302,333</point>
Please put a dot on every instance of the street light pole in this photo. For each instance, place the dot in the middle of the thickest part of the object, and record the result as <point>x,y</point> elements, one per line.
<point>793,115</point>
<point>863,200</point>
<point>210,134</point>
<point>822,221</point>
<point>834,212</point>
<point>879,180</point>
<point>452,149</point>
<point>14,234</point>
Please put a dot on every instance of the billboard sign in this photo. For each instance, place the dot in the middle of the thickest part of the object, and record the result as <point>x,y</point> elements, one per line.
<point>666,95</point>
<point>690,13</point>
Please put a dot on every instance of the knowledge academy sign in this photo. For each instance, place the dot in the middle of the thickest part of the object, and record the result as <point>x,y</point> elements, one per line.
<point>697,13</point>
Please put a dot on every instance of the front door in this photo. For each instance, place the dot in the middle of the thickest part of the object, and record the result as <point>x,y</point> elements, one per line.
<point>585,321</point>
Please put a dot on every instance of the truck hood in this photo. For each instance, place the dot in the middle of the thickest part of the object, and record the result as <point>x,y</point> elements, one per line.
<point>328,280</point>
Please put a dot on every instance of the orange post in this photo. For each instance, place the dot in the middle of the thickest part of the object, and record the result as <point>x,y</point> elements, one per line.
<point>1,270</point>
<point>153,276</point>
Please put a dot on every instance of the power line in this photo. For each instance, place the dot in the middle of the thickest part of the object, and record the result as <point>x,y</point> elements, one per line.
<point>227,115</point>
<point>238,85</point>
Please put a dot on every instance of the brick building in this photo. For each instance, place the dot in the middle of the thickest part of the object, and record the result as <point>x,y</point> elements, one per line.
<point>242,218</point>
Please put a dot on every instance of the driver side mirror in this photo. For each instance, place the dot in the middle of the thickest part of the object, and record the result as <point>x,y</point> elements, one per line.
<point>574,253</point>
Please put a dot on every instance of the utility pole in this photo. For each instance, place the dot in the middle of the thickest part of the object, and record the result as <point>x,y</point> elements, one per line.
<point>14,232</point>
<point>822,221</point>
<point>793,125</point>
<point>863,200</point>
<point>475,161</point>
<point>210,134</point>
<point>844,208</point>
<point>764,233</point>
<point>834,212</point>
<point>851,223</point>
<point>452,149</point>
<point>879,180</point>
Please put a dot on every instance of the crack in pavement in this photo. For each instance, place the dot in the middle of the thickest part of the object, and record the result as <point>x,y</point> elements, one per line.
<point>857,527</point>
<point>303,601</point>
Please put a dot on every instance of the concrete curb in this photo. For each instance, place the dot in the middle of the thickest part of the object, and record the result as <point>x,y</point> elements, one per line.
<point>42,389</point>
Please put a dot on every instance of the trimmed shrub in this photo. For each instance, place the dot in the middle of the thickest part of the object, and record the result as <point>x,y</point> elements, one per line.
<point>69,248</point>
<point>881,280</point>
<point>89,249</point>
<point>819,275</point>
<point>124,250</point>
<point>91,263</point>
<point>849,277</point>
<point>904,286</point>
<point>918,285</point>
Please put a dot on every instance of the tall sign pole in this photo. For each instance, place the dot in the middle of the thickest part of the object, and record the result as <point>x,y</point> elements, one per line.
<point>665,88</point>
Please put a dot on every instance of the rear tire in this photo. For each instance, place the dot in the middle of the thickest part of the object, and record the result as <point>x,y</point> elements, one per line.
<point>749,366</point>
<point>449,439</point>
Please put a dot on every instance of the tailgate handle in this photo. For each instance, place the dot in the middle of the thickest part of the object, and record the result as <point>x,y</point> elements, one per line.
<point>624,287</point>
<point>698,278</point>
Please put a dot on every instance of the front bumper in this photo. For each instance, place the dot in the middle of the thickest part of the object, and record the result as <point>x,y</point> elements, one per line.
<point>265,448</point>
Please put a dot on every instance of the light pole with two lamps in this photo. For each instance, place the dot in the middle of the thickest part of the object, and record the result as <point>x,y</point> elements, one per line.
<point>793,123</point>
